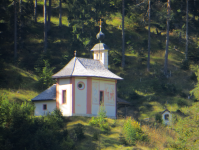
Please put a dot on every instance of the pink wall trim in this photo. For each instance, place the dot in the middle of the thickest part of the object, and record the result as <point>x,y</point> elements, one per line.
<point>116,99</point>
<point>89,95</point>
<point>73,94</point>
<point>57,94</point>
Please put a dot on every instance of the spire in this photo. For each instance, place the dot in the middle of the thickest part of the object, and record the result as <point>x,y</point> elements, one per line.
<point>100,35</point>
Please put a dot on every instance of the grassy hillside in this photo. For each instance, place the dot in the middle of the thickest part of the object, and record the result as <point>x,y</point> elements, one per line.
<point>149,92</point>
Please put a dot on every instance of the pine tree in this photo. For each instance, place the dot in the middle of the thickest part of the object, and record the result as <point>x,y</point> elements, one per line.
<point>49,14</point>
<point>60,13</point>
<point>35,10</point>
<point>15,30</point>
<point>149,38</point>
<point>123,37</point>
<point>187,38</point>
<point>167,38</point>
<point>45,27</point>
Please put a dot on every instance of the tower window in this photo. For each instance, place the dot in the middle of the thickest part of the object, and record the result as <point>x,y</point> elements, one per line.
<point>101,97</point>
<point>64,97</point>
<point>101,56</point>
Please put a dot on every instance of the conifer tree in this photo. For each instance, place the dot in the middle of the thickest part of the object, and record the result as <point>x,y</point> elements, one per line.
<point>123,37</point>
<point>187,38</point>
<point>49,14</point>
<point>149,38</point>
<point>35,10</point>
<point>60,13</point>
<point>45,27</point>
<point>15,30</point>
<point>167,38</point>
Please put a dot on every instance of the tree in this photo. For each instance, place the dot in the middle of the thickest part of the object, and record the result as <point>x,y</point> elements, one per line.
<point>187,38</point>
<point>49,14</point>
<point>149,38</point>
<point>15,31</point>
<point>123,37</point>
<point>45,27</point>
<point>35,11</point>
<point>60,14</point>
<point>167,38</point>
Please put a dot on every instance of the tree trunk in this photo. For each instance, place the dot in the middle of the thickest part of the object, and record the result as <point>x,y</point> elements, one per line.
<point>149,38</point>
<point>45,27</point>
<point>187,38</point>
<point>20,24</point>
<point>35,13</point>
<point>49,14</point>
<point>15,31</point>
<point>60,13</point>
<point>123,37</point>
<point>167,38</point>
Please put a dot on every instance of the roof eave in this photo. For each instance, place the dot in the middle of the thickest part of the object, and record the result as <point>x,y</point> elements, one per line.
<point>43,100</point>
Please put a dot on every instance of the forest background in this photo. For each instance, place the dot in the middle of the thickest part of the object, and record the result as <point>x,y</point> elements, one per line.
<point>37,41</point>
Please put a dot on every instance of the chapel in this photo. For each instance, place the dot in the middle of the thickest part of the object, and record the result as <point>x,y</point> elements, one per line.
<point>82,86</point>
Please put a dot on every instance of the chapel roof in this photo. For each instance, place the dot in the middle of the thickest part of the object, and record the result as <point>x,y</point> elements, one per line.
<point>48,94</point>
<point>85,67</point>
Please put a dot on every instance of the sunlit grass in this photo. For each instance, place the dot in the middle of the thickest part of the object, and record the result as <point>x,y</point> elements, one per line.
<point>18,95</point>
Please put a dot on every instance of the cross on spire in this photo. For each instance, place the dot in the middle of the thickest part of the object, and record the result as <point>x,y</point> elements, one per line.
<point>100,24</point>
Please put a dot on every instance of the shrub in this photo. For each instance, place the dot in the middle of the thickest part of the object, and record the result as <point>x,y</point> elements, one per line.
<point>100,120</point>
<point>185,65</point>
<point>133,132</point>
<point>158,118</point>
<point>193,77</point>
<point>95,136</point>
<point>182,102</point>
<point>21,130</point>
<point>78,132</point>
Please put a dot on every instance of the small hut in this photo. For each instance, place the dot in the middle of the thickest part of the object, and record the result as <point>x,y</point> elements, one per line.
<point>166,117</point>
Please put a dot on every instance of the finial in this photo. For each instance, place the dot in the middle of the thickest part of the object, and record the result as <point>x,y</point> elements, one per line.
<point>75,53</point>
<point>100,24</point>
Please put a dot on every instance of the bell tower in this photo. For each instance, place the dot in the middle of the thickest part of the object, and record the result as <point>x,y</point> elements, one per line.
<point>100,49</point>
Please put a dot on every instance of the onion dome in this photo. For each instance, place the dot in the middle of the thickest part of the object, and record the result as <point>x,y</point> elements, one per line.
<point>100,35</point>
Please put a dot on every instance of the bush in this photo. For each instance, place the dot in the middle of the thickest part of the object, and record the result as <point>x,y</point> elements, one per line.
<point>133,132</point>
<point>193,76</point>
<point>182,102</point>
<point>19,129</point>
<point>95,136</point>
<point>185,65</point>
<point>158,118</point>
<point>100,121</point>
<point>78,132</point>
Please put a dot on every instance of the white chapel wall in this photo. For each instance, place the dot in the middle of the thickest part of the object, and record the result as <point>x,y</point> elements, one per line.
<point>66,109</point>
<point>51,106</point>
<point>80,96</point>
<point>108,87</point>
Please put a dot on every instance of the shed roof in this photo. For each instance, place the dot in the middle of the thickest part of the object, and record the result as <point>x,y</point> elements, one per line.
<point>122,101</point>
<point>79,67</point>
<point>165,111</point>
<point>48,94</point>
